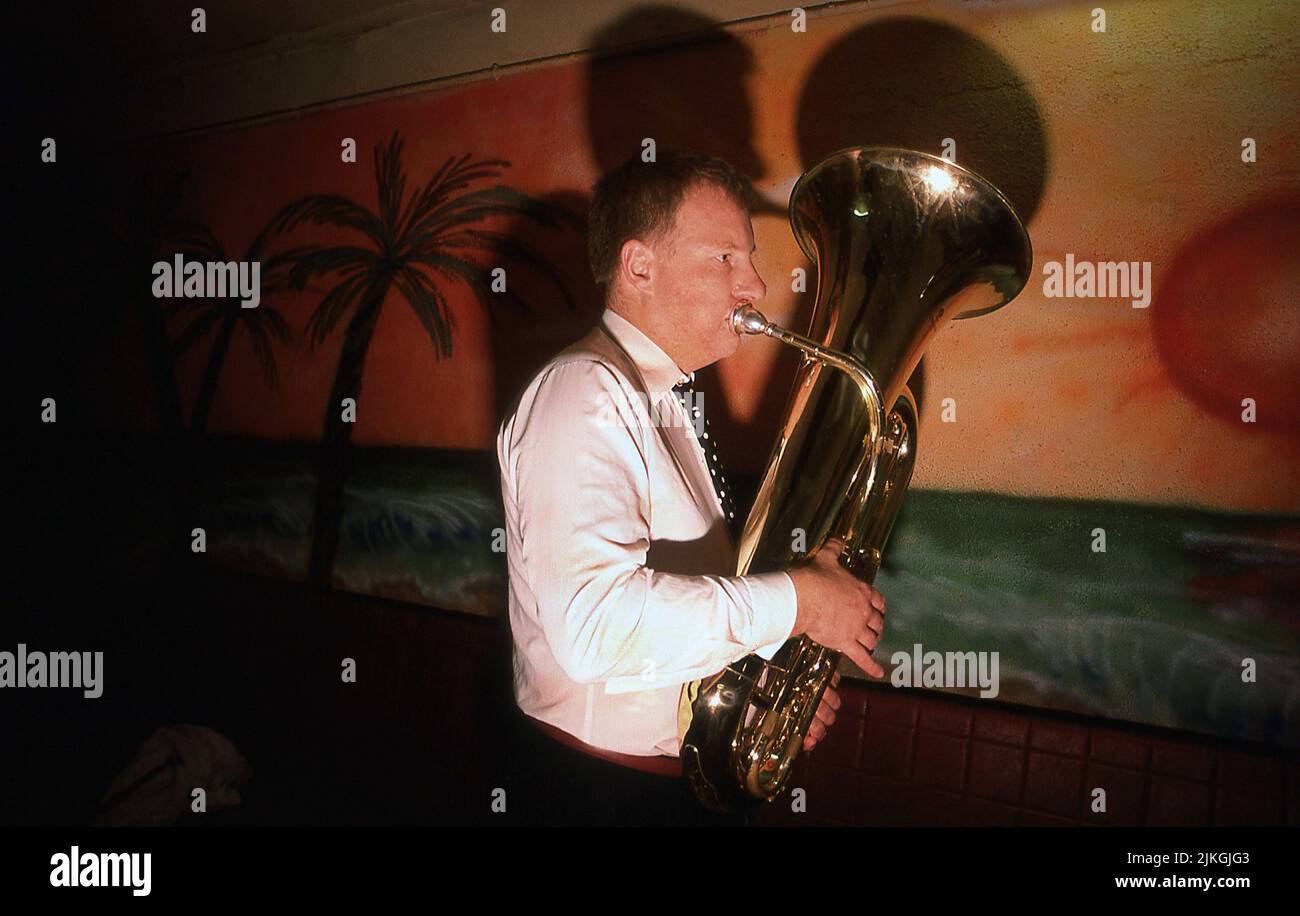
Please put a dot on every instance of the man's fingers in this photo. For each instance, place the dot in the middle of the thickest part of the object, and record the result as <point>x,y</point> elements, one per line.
<point>831,696</point>
<point>876,622</point>
<point>864,661</point>
<point>825,714</point>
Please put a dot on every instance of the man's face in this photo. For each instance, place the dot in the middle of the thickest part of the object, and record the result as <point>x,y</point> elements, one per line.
<point>704,270</point>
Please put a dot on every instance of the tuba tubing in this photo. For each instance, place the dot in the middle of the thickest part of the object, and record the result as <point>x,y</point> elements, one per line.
<point>903,242</point>
<point>748,320</point>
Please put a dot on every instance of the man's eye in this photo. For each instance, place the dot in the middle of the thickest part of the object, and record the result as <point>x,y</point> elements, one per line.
<point>724,256</point>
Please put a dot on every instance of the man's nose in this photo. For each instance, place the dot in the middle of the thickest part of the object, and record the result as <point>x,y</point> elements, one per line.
<point>751,288</point>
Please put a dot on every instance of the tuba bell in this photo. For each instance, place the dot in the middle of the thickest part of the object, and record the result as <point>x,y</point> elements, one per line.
<point>903,243</point>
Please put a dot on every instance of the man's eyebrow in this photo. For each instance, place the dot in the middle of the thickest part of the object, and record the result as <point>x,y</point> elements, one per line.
<point>732,245</point>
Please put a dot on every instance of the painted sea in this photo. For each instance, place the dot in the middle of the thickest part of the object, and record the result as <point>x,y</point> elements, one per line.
<point>1156,629</point>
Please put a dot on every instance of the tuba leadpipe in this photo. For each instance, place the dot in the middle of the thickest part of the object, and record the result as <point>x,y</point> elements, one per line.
<point>746,319</point>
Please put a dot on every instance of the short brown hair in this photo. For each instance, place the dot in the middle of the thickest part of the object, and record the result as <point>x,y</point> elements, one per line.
<point>639,200</point>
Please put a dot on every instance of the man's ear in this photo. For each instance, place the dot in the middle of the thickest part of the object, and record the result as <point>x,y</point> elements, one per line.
<point>636,265</point>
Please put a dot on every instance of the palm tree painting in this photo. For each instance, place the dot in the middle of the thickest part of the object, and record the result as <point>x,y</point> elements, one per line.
<point>410,245</point>
<point>195,242</point>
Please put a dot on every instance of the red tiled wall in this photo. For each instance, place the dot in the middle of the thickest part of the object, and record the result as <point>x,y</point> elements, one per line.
<point>417,736</point>
<point>910,757</point>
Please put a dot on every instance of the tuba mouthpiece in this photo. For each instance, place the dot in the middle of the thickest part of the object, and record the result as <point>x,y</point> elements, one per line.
<point>748,320</point>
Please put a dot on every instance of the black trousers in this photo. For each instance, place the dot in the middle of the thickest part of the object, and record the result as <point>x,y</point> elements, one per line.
<point>552,784</point>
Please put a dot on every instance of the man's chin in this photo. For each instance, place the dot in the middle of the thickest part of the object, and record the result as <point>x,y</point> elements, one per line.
<point>731,346</point>
<point>726,347</point>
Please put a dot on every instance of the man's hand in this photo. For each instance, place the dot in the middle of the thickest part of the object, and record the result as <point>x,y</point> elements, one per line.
<point>825,714</point>
<point>838,610</point>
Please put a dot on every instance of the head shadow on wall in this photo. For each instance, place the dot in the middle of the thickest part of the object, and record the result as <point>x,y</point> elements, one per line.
<point>642,81</point>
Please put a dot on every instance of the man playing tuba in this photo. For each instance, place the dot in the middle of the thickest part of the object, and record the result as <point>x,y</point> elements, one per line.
<point>617,520</point>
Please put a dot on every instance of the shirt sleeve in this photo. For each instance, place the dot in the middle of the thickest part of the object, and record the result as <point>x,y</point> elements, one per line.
<point>575,459</point>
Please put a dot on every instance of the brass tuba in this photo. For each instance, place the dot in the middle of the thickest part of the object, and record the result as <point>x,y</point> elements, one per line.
<point>903,242</point>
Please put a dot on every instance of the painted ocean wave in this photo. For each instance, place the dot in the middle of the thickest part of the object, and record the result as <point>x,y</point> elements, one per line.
<point>1154,629</point>
<point>412,529</point>
<point>432,547</point>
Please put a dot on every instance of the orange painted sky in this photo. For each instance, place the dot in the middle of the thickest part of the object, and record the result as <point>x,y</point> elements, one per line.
<point>1060,397</point>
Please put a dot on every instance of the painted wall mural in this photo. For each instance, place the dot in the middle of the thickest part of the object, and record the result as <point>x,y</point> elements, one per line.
<point>1166,414</point>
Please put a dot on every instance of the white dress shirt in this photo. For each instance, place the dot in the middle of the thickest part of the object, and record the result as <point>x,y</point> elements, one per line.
<point>617,550</point>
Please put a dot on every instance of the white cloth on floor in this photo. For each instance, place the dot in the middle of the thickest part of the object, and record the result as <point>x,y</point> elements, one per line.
<point>156,787</point>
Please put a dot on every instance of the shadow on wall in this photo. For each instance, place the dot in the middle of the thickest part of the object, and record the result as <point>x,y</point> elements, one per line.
<point>637,88</point>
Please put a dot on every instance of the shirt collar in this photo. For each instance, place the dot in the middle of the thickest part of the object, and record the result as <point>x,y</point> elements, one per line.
<point>657,367</point>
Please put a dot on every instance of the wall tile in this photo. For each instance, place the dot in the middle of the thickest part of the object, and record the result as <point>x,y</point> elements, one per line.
<point>889,704</point>
<point>1178,803</point>
<point>1002,726</point>
<point>885,802</point>
<point>940,761</point>
<point>997,772</point>
<point>832,793</point>
<point>1036,819</point>
<point>1119,748</point>
<point>1237,808</point>
<point>976,812</point>
<point>843,742</point>
<point>887,750</point>
<point>1054,784</point>
<point>1293,796</point>
<point>853,701</point>
<point>1184,760</point>
<point>1250,771</point>
<point>946,717</point>
<point>1126,796</point>
<point>933,808</point>
<point>1058,737</point>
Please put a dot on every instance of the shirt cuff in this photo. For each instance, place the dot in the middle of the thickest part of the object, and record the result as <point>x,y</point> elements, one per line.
<point>775,607</point>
